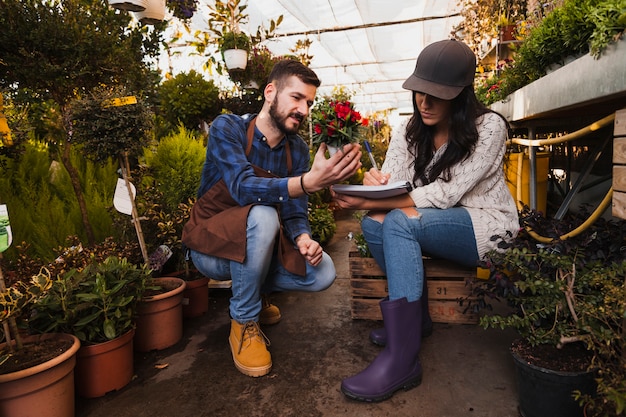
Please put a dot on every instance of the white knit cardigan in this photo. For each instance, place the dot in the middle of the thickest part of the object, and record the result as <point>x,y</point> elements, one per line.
<point>476,183</point>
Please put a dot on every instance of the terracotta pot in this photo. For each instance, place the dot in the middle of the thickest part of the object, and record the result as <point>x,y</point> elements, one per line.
<point>104,367</point>
<point>160,317</point>
<point>196,297</point>
<point>43,390</point>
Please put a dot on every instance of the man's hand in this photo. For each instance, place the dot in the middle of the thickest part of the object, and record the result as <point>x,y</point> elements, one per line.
<point>339,167</point>
<point>310,249</point>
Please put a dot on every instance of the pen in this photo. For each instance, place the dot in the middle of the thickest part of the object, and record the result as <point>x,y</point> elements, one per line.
<point>369,152</point>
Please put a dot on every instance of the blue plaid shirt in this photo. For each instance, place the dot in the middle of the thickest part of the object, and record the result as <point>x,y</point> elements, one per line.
<point>226,159</point>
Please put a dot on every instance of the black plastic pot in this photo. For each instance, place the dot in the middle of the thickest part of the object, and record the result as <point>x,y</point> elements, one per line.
<point>546,393</point>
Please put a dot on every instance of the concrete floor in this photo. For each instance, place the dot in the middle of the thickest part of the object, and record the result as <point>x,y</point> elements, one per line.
<point>468,371</point>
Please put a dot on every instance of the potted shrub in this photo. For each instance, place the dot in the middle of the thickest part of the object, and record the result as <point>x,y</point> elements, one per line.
<point>234,47</point>
<point>568,303</point>
<point>36,372</point>
<point>94,297</point>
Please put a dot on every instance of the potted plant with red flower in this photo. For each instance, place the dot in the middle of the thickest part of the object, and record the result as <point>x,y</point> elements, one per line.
<point>336,122</point>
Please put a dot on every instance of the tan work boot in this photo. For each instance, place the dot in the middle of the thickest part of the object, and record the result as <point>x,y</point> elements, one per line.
<point>248,345</point>
<point>270,314</point>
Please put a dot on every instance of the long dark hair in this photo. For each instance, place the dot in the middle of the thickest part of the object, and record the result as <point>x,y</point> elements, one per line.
<point>462,137</point>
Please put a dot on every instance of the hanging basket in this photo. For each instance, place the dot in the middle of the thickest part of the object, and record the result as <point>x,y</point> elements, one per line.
<point>130,5</point>
<point>236,59</point>
<point>154,12</point>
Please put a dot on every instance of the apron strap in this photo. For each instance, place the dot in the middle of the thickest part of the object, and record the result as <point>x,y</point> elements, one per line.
<point>250,135</point>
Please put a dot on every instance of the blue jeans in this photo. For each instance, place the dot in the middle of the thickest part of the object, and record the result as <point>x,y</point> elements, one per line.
<point>399,242</point>
<point>261,272</point>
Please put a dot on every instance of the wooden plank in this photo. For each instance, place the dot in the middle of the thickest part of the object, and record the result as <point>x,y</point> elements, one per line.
<point>438,289</point>
<point>440,311</point>
<point>619,128</point>
<point>619,177</point>
<point>619,150</point>
<point>619,205</point>
<point>368,287</point>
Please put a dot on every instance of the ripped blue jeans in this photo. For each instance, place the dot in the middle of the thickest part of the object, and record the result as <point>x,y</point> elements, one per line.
<point>399,242</point>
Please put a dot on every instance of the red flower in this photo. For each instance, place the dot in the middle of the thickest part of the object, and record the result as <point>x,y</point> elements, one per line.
<point>339,123</point>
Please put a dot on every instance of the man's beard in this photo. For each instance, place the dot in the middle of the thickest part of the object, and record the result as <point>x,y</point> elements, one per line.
<point>280,120</point>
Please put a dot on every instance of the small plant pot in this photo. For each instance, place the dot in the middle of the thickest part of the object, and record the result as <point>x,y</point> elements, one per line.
<point>104,367</point>
<point>153,13</point>
<point>46,389</point>
<point>159,322</point>
<point>196,297</point>
<point>236,59</point>
<point>129,5</point>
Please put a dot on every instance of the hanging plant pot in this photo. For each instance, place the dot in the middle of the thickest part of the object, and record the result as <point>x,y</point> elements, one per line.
<point>104,367</point>
<point>159,322</point>
<point>129,5</point>
<point>154,12</point>
<point>235,59</point>
<point>46,389</point>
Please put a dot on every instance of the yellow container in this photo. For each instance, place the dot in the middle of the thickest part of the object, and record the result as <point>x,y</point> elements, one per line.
<point>511,171</point>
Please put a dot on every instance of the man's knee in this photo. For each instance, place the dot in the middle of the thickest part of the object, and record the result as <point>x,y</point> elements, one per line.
<point>264,219</point>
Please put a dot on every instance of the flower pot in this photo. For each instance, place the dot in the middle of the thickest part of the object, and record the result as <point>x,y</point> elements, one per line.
<point>236,59</point>
<point>196,297</point>
<point>153,13</point>
<point>332,149</point>
<point>507,33</point>
<point>546,393</point>
<point>159,322</point>
<point>130,5</point>
<point>104,367</point>
<point>46,389</point>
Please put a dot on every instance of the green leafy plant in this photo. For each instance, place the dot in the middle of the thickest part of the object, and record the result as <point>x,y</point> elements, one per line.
<point>565,291</point>
<point>96,303</point>
<point>189,99</point>
<point>321,218</point>
<point>15,301</point>
<point>576,28</point>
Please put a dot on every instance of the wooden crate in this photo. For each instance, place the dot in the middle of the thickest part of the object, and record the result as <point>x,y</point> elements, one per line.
<point>619,165</point>
<point>446,284</point>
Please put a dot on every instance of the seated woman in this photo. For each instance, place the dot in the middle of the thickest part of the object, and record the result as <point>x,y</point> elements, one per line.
<point>452,151</point>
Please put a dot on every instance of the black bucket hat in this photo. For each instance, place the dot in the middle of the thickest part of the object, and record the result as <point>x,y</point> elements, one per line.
<point>443,69</point>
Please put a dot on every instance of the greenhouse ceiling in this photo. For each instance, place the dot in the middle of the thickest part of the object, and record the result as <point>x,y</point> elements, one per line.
<point>368,46</point>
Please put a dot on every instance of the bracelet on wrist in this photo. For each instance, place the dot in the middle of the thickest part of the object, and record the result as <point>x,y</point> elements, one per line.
<point>302,185</point>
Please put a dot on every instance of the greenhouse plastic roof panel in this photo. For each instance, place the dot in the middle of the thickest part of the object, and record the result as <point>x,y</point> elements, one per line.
<point>368,46</point>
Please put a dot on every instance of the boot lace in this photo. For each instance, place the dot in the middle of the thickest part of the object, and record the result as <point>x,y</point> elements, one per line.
<point>251,330</point>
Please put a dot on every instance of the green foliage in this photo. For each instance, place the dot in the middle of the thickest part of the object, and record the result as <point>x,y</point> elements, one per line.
<point>60,47</point>
<point>176,166</point>
<point>96,303</point>
<point>574,29</point>
<point>232,40</point>
<point>321,218</point>
<point>565,291</point>
<point>189,99</point>
<point>41,201</point>
<point>107,130</point>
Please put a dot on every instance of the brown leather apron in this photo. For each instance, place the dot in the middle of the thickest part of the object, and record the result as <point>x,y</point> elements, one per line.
<point>217,224</point>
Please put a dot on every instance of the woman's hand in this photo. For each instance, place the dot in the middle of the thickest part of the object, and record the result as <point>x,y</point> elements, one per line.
<point>375,177</point>
<point>349,202</point>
